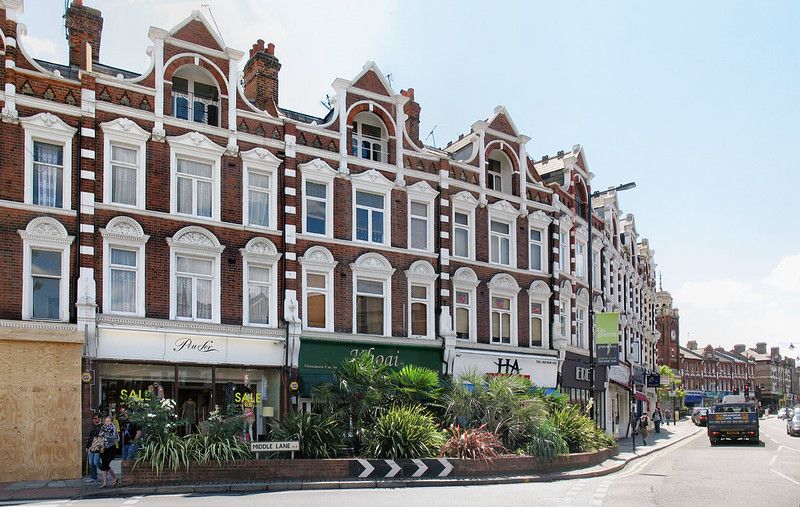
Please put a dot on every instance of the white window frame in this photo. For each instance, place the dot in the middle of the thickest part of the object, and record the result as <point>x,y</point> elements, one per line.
<point>260,252</point>
<point>318,171</point>
<point>319,260</point>
<point>503,211</point>
<point>124,233</point>
<point>374,267</point>
<point>48,128</point>
<point>199,243</point>
<point>421,192</point>
<point>465,280</point>
<point>45,233</point>
<point>539,292</point>
<point>597,265</point>
<point>373,120</point>
<point>565,311</point>
<point>504,285</point>
<point>538,220</point>
<point>506,174</point>
<point>372,181</point>
<point>564,261</point>
<point>581,253</point>
<point>126,133</point>
<point>261,161</point>
<point>422,273</point>
<point>582,325</point>
<point>464,202</point>
<point>199,148</point>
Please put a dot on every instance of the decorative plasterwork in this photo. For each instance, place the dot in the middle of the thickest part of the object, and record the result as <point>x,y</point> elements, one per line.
<point>422,191</point>
<point>260,250</point>
<point>466,278</point>
<point>503,210</point>
<point>539,219</point>
<point>125,128</point>
<point>197,142</point>
<point>261,156</point>
<point>583,297</point>
<point>372,179</point>
<point>582,234</point>
<point>46,229</point>
<point>421,272</point>
<point>49,123</point>
<point>125,229</point>
<point>539,290</point>
<point>318,170</point>
<point>318,257</point>
<point>566,289</point>
<point>464,200</point>
<point>196,238</point>
<point>372,264</point>
<point>503,283</point>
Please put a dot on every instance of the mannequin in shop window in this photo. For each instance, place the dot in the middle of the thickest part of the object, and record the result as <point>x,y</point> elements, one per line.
<point>248,409</point>
<point>189,415</point>
<point>156,390</point>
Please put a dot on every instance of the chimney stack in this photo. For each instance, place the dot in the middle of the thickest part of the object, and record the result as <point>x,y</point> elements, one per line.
<point>775,352</point>
<point>691,345</point>
<point>412,110</point>
<point>761,347</point>
<point>84,25</point>
<point>739,348</point>
<point>261,77</point>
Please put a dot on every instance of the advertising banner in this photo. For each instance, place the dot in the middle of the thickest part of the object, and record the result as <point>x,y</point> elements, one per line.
<point>606,338</point>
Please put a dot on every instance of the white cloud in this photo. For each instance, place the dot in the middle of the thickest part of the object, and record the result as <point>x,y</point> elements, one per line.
<point>40,47</point>
<point>716,294</point>
<point>786,275</point>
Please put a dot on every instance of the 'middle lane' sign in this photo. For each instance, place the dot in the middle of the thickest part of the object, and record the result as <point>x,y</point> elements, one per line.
<point>274,446</point>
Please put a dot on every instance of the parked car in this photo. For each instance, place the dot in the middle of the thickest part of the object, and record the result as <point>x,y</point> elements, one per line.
<point>700,416</point>
<point>783,413</point>
<point>793,425</point>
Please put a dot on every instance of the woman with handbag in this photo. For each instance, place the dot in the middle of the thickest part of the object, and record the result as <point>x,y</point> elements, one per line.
<point>110,437</point>
<point>94,446</point>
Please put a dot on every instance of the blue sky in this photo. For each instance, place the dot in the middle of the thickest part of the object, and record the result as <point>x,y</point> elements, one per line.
<point>698,102</point>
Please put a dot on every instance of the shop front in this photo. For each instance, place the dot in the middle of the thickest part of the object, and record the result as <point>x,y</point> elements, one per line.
<point>541,369</point>
<point>576,382</point>
<point>201,373</point>
<point>319,358</point>
<point>619,393</point>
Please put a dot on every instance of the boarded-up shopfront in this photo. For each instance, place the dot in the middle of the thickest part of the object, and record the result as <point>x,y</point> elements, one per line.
<point>40,401</point>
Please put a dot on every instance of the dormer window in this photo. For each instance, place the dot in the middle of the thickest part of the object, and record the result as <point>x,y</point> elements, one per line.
<point>194,96</point>
<point>498,172</point>
<point>369,138</point>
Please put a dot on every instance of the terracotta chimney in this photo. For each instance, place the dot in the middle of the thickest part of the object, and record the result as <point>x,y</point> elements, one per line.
<point>412,110</point>
<point>761,347</point>
<point>261,77</point>
<point>84,25</point>
<point>691,345</point>
<point>739,348</point>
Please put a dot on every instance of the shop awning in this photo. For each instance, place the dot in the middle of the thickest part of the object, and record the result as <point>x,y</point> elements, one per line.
<point>640,396</point>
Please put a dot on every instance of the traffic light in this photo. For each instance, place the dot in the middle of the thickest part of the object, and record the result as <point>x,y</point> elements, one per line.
<point>747,389</point>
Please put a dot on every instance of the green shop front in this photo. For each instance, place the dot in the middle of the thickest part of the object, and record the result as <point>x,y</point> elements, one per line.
<point>319,358</point>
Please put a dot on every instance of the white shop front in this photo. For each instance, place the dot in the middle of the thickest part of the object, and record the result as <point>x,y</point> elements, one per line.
<point>619,380</point>
<point>541,369</point>
<point>200,371</point>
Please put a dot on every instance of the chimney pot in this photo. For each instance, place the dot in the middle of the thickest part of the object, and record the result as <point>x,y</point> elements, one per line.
<point>84,32</point>
<point>270,48</point>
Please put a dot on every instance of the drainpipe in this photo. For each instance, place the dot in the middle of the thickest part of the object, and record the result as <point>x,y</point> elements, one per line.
<point>76,273</point>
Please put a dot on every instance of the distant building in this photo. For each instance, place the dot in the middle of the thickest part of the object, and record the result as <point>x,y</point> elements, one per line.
<point>667,325</point>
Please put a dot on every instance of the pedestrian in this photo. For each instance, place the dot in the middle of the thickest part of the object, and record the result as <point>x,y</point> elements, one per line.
<point>657,419</point>
<point>131,436</point>
<point>93,455</point>
<point>668,418</point>
<point>644,429</point>
<point>110,438</point>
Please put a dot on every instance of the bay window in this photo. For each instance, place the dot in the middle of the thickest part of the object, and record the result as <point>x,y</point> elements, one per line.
<point>45,270</point>
<point>318,265</point>
<point>123,267</point>
<point>372,295</point>
<point>48,161</point>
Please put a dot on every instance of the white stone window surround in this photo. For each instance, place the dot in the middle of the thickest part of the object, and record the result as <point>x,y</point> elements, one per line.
<point>371,119</point>
<point>540,221</point>
<point>199,243</point>
<point>126,133</point>
<point>260,252</point>
<point>318,171</point>
<point>465,280</point>
<point>124,233</point>
<point>319,260</point>
<point>503,211</point>
<point>422,273</point>
<point>582,304</point>
<point>48,128</point>
<point>422,192</point>
<point>375,267</point>
<point>263,161</point>
<point>505,286</point>
<point>374,182</point>
<point>581,252</point>
<point>199,148</point>
<point>565,311</point>
<point>539,292</point>
<point>565,225</point>
<point>464,202</point>
<point>45,233</point>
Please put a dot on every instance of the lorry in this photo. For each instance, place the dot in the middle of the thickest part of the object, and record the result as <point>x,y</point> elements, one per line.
<point>734,418</point>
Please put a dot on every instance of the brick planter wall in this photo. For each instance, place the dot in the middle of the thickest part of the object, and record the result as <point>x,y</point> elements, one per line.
<point>346,469</point>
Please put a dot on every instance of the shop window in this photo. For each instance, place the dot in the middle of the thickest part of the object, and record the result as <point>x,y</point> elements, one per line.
<point>195,97</point>
<point>371,294</point>
<point>369,138</point>
<point>45,268</point>
<point>48,161</point>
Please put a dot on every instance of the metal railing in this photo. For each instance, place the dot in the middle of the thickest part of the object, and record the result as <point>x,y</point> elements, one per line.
<point>188,106</point>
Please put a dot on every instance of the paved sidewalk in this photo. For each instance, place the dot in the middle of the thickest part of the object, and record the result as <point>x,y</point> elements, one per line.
<point>40,490</point>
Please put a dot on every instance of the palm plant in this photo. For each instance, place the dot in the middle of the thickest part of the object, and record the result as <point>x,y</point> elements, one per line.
<point>403,432</point>
<point>319,436</point>
<point>415,385</point>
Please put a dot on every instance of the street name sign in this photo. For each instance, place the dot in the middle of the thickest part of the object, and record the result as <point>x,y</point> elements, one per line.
<point>274,446</point>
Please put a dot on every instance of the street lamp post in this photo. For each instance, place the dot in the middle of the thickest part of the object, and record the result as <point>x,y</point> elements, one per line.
<point>590,273</point>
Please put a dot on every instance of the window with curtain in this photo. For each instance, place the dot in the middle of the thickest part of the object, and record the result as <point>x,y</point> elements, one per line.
<point>369,217</point>
<point>501,320</point>
<point>259,287</point>
<point>124,166</point>
<point>48,174</point>
<point>46,283</point>
<point>194,278</point>
<point>316,300</point>
<point>461,234</point>
<point>563,251</point>
<point>418,233</point>
<point>580,260</point>
<point>580,325</point>
<point>258,190</point>
<point>462,314</point>
<point>123,280</point>
<point>536,249</point>
<point>500,242</point>
<point>316,202</point>
<point>419,310</point>
<point>195,185</point>
<point>369,306</point>
<point>536,324</point>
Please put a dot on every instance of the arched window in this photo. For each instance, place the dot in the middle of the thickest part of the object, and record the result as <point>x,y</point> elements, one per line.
<point>499,172</point>
<point>369,137</point>
<point>195,96</point>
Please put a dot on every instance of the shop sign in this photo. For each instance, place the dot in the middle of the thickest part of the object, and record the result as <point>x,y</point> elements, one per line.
<point>199,349</point>
<point>86,378</point>
<point>606,338</point>
<point>275,446</point>
<point>620,374</point>
<point>665,382</point>
<point>639,375</point>
<point>654,380</point>
<point>541,370</point>
<point>582,374</point>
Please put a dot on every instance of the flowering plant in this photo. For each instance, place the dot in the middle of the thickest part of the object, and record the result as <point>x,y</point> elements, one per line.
<point>154,416</point>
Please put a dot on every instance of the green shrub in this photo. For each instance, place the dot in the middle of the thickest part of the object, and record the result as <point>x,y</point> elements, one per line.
<point>154,416</point>
<point>319,436</point>
<point>415,385</point>
<point>472,444</point>
<point>554,401</point>
<point>225,424</point>
<point>204,448</point>
<point>546,443</point>
<point>579,431</point>
<point>403,432</point>
<point>162,451</point>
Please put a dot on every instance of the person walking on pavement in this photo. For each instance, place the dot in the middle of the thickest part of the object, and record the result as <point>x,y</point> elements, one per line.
<point>667,418</point>
<point>644,428</point>
<point>657,419</point>
<point>110,438</point>
<point>93,456</point>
